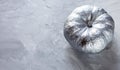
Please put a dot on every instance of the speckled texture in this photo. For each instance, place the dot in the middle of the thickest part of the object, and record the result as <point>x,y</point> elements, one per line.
<point>31,36</point>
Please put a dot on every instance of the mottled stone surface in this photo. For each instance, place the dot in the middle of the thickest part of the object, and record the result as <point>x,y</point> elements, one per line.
<point>31,36</point>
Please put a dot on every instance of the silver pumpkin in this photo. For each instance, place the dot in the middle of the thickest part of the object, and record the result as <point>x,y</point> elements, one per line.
<point>89,29</point>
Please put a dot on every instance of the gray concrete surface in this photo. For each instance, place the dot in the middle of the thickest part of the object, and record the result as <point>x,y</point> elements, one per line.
<point>31,36</point>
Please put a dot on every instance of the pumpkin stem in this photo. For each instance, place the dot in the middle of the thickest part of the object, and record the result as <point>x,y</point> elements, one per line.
<point>89,21</point>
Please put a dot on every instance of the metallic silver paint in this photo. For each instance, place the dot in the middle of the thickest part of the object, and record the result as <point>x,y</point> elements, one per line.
<point>89,29</point>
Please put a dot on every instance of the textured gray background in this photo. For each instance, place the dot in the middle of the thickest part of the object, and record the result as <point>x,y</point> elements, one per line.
<point>31,36</point>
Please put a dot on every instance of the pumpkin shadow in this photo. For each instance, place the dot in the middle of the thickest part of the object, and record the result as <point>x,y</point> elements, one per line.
<point>104,60</point>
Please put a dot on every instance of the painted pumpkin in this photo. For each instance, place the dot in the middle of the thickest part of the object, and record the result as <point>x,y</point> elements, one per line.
<point>89,29</point>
